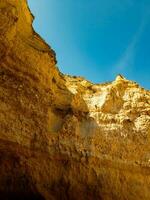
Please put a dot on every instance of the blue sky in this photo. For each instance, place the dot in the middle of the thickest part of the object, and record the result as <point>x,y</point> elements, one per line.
<point>97,39</point>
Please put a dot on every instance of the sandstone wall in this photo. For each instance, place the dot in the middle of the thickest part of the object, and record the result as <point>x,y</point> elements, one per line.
<point>62,137</point>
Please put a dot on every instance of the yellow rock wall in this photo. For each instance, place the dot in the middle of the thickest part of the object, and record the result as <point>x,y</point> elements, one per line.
<point>62,137</point>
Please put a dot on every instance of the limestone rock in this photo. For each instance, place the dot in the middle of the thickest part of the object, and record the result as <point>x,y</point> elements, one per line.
<point>62,137</point>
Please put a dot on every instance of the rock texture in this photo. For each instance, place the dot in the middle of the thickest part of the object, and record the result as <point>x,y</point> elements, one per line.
<point>62,137</point>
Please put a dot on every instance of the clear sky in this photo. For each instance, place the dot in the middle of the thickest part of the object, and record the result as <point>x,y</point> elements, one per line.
<point>97,39</point>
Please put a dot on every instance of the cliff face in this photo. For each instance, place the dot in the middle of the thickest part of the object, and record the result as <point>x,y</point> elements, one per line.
<point>63,137</point>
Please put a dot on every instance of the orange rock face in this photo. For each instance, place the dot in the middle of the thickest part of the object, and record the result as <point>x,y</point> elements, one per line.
<point>62,137</point>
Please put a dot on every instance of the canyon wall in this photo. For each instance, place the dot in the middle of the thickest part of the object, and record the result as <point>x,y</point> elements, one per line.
<point>62,137</point>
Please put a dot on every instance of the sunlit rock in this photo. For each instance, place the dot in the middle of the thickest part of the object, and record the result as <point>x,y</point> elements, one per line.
<point>62,137</point>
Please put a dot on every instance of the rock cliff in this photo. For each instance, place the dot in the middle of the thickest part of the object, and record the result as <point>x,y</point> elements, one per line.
<point>62,137</point>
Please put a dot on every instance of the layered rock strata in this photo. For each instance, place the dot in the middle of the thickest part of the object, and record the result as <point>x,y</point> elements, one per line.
<point>62,137</point>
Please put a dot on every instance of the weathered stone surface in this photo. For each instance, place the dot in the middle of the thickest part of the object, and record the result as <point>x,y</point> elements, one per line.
<point>62,137</point>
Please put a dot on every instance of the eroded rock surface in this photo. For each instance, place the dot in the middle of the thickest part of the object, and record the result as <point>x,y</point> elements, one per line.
<point>62,137</point>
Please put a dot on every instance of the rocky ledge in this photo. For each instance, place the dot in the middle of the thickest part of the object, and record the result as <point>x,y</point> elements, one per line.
<point>62,137</point>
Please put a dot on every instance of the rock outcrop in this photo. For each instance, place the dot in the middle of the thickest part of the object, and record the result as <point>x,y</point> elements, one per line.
<point>62,137</point>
